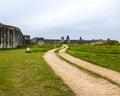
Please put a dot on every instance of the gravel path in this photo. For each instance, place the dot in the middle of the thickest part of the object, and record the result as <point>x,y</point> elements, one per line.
<point>113,75</point>
<point>81,83</point>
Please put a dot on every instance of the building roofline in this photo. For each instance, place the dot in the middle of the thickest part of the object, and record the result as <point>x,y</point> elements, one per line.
<point>4,25</point>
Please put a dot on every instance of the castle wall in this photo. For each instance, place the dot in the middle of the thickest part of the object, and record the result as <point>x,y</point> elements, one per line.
<point>10,37</point>
<point>38,40</point>
<point>74,41</point>
<point>52,41</point>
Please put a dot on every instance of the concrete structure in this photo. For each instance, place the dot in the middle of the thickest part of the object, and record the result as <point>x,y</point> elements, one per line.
<point>10,36</point>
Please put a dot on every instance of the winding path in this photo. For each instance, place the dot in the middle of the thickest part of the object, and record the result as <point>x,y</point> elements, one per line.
<point>110,74</point>
<point>80,82</point>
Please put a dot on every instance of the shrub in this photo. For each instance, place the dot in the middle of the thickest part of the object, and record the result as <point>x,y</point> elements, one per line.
<point>112,42</point>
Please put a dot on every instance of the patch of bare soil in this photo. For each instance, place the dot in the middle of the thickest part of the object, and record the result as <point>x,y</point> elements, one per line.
<point>80,82</point>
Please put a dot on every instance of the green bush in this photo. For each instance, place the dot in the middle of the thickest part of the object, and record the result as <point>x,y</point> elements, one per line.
<point>112,42</point>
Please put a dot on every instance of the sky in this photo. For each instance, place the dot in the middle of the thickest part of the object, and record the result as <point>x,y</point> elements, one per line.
<point>51,19</point>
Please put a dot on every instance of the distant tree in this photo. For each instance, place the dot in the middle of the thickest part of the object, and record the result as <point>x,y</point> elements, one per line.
<point>108,39</point>
<point>112,42</point>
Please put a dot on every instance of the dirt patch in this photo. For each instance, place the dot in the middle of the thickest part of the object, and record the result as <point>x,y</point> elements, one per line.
<point>80,82</point>
<point>110,74</point>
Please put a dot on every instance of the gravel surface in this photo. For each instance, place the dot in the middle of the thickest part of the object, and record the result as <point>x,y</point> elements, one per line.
<point>80,82</point>
<point>113,75</point>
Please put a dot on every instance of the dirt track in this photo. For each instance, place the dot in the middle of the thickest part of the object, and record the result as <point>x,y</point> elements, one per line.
<point>80,82</point>
<point>113,75</point>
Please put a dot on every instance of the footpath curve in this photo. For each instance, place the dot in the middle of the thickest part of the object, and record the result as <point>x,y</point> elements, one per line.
<point>80,82</point>
<point>110,74</point>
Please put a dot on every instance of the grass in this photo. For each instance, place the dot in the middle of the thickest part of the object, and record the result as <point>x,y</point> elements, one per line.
<point>27,74</point>
<point>107,56</point>
<point>86,70</point>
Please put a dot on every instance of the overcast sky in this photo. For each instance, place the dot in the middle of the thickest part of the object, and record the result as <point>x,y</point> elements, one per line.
<point>91,19</point>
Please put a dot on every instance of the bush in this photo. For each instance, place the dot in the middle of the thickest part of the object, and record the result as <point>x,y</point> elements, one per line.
<point>112,42</point>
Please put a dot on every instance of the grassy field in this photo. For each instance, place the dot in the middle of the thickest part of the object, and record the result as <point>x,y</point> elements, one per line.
<point>107,56</point>
<point>27,74</point>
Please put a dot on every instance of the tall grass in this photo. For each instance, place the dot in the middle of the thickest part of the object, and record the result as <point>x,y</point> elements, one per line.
<point>27,74</point>
<point>103,55</point>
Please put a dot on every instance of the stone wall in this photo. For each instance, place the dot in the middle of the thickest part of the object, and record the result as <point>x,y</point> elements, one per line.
<point>27,39</point>
<point>38,40</point>
<point>52,41</point>
<point>10,37</point>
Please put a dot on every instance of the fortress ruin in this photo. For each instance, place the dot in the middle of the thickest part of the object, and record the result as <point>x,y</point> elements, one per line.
<point>10,36</point>
<point>41,40</point>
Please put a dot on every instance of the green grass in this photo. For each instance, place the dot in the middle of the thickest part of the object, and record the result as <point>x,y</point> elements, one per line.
<point>27,74</point>
<point>107,56</point>
<point>86,70</point>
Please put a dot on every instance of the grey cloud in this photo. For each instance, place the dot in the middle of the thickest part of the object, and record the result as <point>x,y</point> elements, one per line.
<point>96,19</point>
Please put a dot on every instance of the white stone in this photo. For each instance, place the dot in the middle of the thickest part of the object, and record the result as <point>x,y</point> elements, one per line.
<point>28,49</point>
